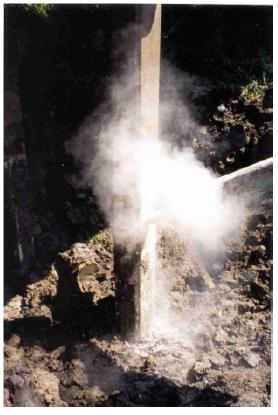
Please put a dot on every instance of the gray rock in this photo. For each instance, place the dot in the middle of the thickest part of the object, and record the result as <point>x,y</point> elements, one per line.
<point>221,337</point>
<point>221,108</point>
<point>201,282</point>
<point>22,391</point>
<point>217,361</point>
<point>14,341</point>
<point>251,360</point>
<point>202,367</point>
<point>228,278</point>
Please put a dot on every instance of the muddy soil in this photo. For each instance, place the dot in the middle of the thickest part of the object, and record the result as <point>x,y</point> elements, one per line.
<point>61,348</point>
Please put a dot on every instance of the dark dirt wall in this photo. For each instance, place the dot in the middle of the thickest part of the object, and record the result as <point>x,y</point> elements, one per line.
<point>56,69</point>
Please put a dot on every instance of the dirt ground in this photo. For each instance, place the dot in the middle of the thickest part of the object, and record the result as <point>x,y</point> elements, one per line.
<point>61,347</point>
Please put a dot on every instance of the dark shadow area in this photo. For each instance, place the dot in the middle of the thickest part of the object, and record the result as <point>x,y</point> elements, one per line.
<point>162,392</point>
<point>57,66</point>
<point>80,321</point>
<point>221,46</point>
<point>147,389</point>
<point>143,389</point>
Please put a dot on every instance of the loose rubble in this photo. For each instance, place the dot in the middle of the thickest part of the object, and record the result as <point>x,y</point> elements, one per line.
<point>218,355</point>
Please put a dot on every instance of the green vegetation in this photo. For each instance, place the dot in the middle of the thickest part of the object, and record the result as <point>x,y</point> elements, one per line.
<point>253,91</point>
<point>40,9</point>
<point>100,239</point>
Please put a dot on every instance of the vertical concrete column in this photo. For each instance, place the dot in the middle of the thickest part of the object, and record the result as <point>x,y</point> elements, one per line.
<point>150,77</point>
<point>150,71</point>
<point>135,268</point>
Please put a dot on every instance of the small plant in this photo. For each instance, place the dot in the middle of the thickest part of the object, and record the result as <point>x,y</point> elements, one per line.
<point>253,91</point>
<point>40,9</point>
<point>100,239</point>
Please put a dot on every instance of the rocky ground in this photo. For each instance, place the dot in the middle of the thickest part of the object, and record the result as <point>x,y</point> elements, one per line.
<point>61,350</point>
<point>213,342</point>
<point>239,132</point>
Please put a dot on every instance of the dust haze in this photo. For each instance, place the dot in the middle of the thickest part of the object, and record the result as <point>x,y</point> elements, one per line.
<point>139,178</point>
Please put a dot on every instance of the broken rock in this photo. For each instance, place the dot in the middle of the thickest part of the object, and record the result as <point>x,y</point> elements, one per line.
<point>200,369</point>
<point>216,360</point>
<point>251,360</point>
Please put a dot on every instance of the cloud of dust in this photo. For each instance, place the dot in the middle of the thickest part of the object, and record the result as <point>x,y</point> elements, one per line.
<point>140,179</point>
